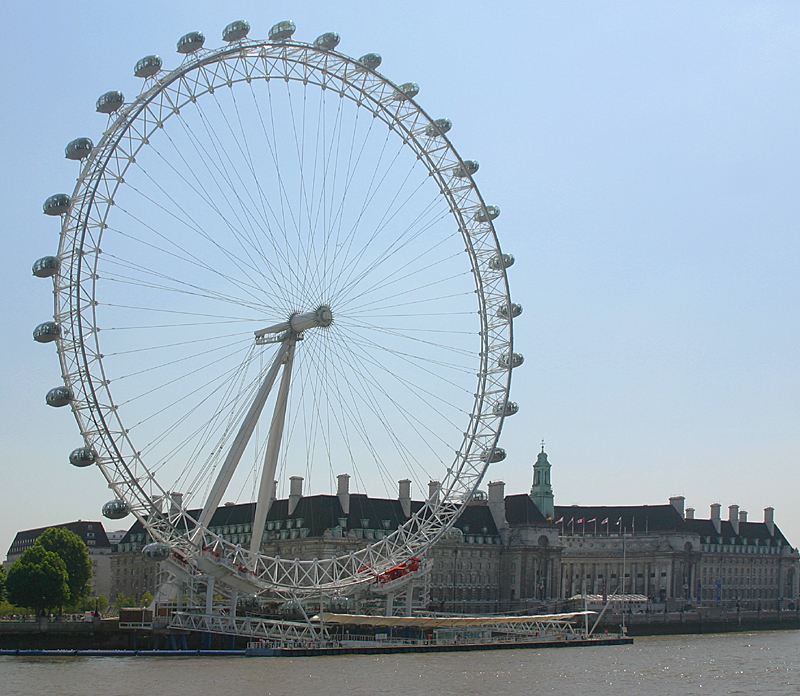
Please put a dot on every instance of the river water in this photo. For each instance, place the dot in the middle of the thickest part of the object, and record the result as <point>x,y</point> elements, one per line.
<point>707,665</point>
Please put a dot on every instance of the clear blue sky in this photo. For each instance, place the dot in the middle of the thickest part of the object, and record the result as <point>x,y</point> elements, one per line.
<point>645,156</point>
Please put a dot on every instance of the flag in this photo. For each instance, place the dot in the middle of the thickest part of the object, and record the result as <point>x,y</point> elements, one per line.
<point>605,521</point>
<point>619,522</point>
<point>594,519</point>
<point>579,520</point>
<point>559,520</point>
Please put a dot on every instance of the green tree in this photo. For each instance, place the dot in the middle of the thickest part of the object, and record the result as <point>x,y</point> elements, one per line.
<point>38,580</point>
<point>2,583</point>
<point>75,554</point>
<point>146,599</point>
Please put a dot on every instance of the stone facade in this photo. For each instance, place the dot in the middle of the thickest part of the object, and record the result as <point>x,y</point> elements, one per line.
<point>521,552</point>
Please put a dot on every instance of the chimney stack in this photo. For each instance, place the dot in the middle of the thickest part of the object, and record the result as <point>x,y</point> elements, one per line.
<point>274,493</point>
<point>677,502</point>
<point>497,503</point>
<point>405,496</point>
<point>715,510</point>
<point>295,492</point>
<point>742,516</point>
<point>343,492</point>
<point>689,513</point>
<point>733,518</point>
<point>434,489</point>
<point>769,520</point>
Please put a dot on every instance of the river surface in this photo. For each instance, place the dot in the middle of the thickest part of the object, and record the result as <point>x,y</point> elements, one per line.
<point>707,665</point>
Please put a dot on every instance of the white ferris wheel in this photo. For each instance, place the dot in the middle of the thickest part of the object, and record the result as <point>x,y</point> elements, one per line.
<point>275,262</point>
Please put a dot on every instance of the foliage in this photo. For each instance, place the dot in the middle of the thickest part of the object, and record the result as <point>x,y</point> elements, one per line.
<point>121,601</point>
<point>2,584</point>
<point>38,580</point>
<point>146,599</point>
<point>75,554</point>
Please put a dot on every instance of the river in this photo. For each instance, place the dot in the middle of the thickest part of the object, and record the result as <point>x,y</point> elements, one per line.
<point>703,665</point>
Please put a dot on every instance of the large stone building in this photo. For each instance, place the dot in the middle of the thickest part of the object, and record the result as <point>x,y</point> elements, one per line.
<point>92,533</point>
<point>523,552</point>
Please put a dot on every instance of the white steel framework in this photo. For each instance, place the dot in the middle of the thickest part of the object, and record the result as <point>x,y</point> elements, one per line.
<point>85,255</point>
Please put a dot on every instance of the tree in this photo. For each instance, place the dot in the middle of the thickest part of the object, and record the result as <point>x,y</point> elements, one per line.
<point>75,554</point>
<point>2,583</point>
<point>146,599</point>
<point>38,580</point>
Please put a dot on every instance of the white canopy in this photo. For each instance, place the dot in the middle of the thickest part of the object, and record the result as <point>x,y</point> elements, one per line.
<point>444,621</point>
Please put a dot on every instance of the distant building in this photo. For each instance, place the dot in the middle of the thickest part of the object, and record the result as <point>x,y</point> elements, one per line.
<point>522,552</point>
<point>92,533</point>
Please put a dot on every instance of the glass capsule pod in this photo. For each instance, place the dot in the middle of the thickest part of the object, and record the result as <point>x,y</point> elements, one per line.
<point>236,31</point>
<point>282,31</point>
<point>490,212</point>
<point>327,41</point>
<point>439,127</point>
<point>45,267</point>
<point>498,454</point>
<point>501,261</point>
<point>110,102</point>
<point>147,66</point>
<point>507,409</point>
<point>515,360</point>
<point>370,61</point>
<point>78,149</point>
<point>503,311</point>
<point>58,396</point>
<point>81,457</point>
<point>408,90</point>
<point>191,42</point>
<point>57,204</point>
<point>466,169</point>
<point>115,509</point>
<point>46,332</point>
<point>156,551</point>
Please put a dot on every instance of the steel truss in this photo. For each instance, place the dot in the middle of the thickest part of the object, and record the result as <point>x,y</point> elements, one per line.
<point>120,461</point>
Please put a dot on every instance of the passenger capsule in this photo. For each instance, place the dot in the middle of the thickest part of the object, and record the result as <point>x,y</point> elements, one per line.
<point>116,509</point>
<point>110,102</point>
<point>45,267</point>
<point>47,332</point>
<point>507,409</point>
<point>57,204</point>
<point>327,41</point>
<point>501,261</point>
<point>515,361</point>
<point>439,127</point>
<point>408,90</point>
<point>370,61</point>
<point>236,31</point>
<point>490,212</point>
<point>503,311</point>
<point>498,454</point>
<point>156,551</point>
<point>82,457</point>
<point>147,66</point>
<point>59,396</point>
<point>78,149</point>
<point>466,169</point>
<point>191,42</point>
<point>282,31</point>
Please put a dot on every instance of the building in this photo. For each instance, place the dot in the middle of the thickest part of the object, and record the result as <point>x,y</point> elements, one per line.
<point>522,552</point>
<point>93,535</point>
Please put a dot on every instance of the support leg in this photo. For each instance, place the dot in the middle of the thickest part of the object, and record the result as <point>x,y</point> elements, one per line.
<point>239,443</point>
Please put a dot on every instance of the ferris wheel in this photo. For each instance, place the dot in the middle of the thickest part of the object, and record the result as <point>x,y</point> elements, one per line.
<point>275,262</point>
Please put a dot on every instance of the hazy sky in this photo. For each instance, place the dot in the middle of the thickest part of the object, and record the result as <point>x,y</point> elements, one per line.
<point>645,157</point>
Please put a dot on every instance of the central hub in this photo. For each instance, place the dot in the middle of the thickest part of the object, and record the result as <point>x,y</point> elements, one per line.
<point>320,317</point>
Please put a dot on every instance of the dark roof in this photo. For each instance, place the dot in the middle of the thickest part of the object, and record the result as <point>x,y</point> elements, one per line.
<point>321,512</point>
<point>747,530</point>
<point>93,534</point>
<point>652,518</point>
<point>520,509</point>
